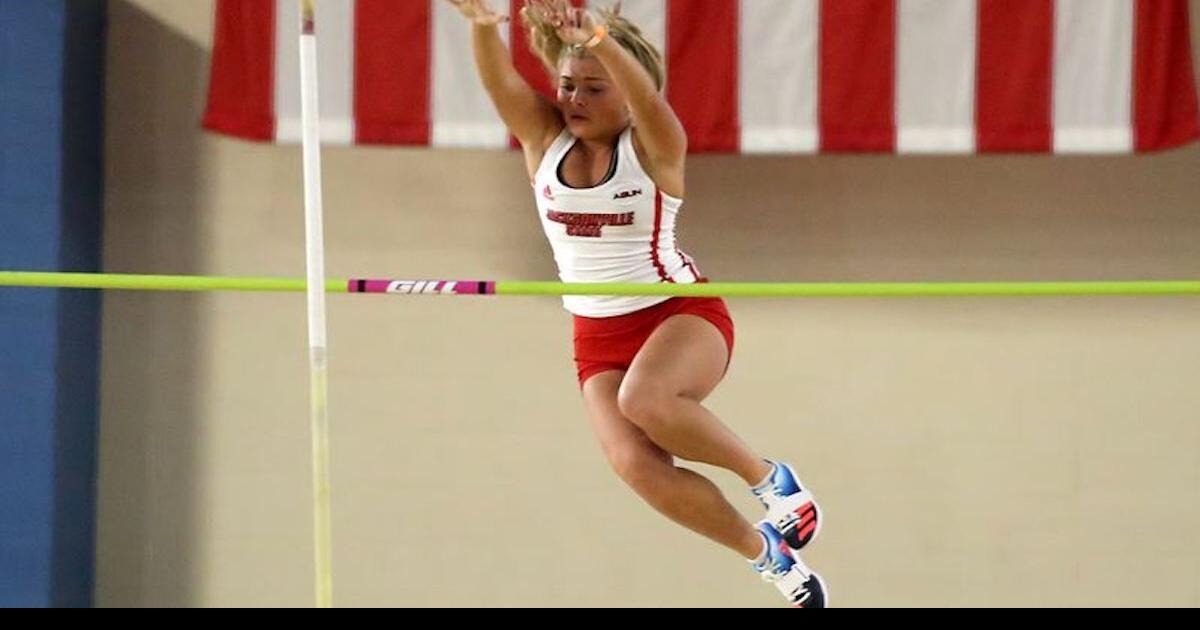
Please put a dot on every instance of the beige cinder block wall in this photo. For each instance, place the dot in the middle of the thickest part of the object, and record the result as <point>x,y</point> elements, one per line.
<point>968,452</point>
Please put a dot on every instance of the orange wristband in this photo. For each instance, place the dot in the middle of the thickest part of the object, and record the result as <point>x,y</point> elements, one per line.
<point>601,34</point>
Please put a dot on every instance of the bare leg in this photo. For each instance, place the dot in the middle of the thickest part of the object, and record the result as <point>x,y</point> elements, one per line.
<point>682,495</point>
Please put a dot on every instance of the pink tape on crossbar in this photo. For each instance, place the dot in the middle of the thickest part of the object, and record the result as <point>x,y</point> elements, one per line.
<point>423,287</point>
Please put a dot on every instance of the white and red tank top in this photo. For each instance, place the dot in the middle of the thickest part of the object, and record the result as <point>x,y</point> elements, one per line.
<point>620,231</point>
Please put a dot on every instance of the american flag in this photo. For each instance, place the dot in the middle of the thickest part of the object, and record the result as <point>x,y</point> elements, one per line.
<point>751,76</point>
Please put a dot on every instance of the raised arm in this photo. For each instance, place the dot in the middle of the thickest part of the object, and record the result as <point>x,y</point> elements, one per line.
<point>528,116</point>
<point>656,126</point>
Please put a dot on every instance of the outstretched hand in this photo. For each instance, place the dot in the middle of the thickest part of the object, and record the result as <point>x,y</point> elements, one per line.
<point>479,12</point>
<point>574,26</point>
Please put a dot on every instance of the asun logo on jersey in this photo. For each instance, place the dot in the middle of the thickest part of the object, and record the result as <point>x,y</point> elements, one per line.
<point>422,287</point>
<point>628,194</point>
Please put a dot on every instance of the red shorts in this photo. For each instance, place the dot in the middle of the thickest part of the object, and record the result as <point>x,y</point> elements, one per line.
<point>604,345</point>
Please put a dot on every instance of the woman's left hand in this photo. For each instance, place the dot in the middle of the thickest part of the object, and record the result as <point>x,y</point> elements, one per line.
<point>575,26</point>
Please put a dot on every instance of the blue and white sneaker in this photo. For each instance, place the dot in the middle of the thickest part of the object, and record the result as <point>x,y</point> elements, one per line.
<point>778,565</point>
<point>790,508</point>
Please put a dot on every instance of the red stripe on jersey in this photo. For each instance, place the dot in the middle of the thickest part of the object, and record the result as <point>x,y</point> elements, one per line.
<point>658,211</point>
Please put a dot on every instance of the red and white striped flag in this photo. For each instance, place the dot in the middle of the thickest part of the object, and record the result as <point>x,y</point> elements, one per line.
<point>757,76</point>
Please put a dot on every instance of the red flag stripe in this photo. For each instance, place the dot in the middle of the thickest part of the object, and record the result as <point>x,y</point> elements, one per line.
<point>1015,42</point>
<point>392,58</point>
<point>1165,108</point>
<point>702,76</point>
<point>241,96</point>
<point>858,75</point>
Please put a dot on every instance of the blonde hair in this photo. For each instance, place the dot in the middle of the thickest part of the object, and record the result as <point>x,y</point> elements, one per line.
<point>545,44</point>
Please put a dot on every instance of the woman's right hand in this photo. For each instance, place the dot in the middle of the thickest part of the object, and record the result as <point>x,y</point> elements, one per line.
<point>479,12</point>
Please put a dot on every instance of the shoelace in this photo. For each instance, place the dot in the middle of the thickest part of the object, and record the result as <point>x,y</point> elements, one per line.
<point>768,497</point>
<point>772,570</point>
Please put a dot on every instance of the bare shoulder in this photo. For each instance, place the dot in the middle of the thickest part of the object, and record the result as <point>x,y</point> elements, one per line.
<point>668,176</point>
<point>535,149</point>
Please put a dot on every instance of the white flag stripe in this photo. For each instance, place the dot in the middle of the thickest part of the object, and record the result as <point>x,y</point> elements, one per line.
<point>463,115</point>
<point>335,58</point>
<point>649,15</point>
<point>778,92</point>
<point>935,92</point>
<point>287,71</point>
<point>1093,76</point>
